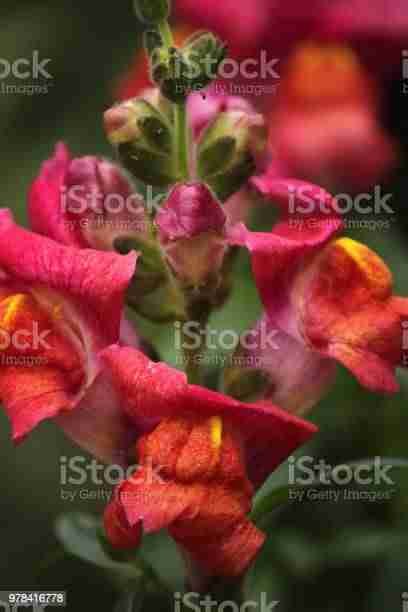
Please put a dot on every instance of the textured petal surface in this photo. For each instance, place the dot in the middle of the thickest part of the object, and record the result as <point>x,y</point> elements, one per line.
<point>120,534</point>
<point>85,202</point>
<point>97,280</point>
<point>74,298</point>
<point>156,391</point>
<point>45,208</point>
<point>308,221</point>
<point>198,490</point>
<point>350,313</point>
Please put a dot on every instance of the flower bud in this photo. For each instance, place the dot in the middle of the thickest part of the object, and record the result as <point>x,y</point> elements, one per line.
<point>152,11</point>
<point>179,72</point>
<point>160,65</point>
<point>150,273</point>
<point>203,108</point>
<point>169,70</point>
<point>228,151</point>
<point>87,202</point>
<point>143,137</point>
<point>191,230</point>
<point>100,201</point>
<point>152,294</point>
<point>154,96</point>
<point>204,53</point>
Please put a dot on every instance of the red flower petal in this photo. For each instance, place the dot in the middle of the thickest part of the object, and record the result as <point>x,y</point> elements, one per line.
<point>78,296</point>
<point>298,235</point>
<point>45,208</point>
<point>32,394</point>
<point>201,494</point>
<point>97,280</point>
<point>157,391</point>
<point>120,534</point>
<point>350,314</point>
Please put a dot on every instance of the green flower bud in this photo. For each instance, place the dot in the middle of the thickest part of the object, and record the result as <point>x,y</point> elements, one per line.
<point>164,305</point>
<point>150,271</point>
<point>203,53</point>
<point>150,167</point>
<point>169,71</point>
<point>178,72</point>
<point>160,103</point>
<point>228,150</point>
<point>152,294</point>
<point>152,11</point>
<point>159,64</point>
<point>143,137</point>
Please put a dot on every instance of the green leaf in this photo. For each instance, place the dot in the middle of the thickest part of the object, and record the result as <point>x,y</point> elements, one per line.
<point>272,501</point>
<point>361,546</point>
<point>80,535</point>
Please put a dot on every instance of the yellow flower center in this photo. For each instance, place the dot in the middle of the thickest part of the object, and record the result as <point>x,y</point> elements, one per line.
<point>12,305</point>
<point>374,269</point>
<point>216,431</point>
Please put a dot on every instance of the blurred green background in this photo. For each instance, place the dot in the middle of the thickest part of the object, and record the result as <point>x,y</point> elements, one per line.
<point>319,556</point>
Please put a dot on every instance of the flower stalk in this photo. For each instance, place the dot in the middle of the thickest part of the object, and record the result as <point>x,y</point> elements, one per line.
<point>193,357</point>
<point>182,138</point>
<point>166,33</point>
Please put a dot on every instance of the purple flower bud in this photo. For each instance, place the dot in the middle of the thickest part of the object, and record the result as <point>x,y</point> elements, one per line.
<point>97,176</point>
<point>203,108</point>
<point>191,230</point>
<point>102,202</point>
<point>190,210</point>
<point>85,202</point>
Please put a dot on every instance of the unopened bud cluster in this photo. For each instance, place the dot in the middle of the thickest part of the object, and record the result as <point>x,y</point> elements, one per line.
<point>183,258</point>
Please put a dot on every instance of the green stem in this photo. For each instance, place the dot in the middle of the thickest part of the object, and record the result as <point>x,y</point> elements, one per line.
<point>192,368</point>
<point>192,362</point>
<point>193,357</point>
<point>182,140</point>
<point>166,34</point>
<point>181,128</point>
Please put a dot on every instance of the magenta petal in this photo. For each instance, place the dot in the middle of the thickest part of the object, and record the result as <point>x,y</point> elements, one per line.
<point>97,280</point>
<point>190,210</point>
<point>203,108</point>
<point>85,202</point>
<point>379,25</point>
<point>99,424</point>
<point>45,209</point>
<point>297,376</point>
<point>149,390</point>
<point>308,223</point>
<point>191,230</point>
